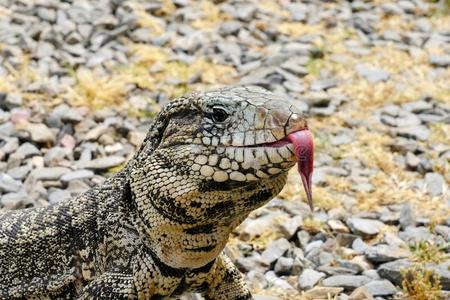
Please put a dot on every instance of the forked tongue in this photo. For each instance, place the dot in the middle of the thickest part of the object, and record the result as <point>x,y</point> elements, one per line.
<point>304,151</point>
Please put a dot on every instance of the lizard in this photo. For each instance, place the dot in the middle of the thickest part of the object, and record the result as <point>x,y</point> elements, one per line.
<point>158,228</point>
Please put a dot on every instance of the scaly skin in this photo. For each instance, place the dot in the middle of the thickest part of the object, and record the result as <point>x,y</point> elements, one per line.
<point>157,228</point>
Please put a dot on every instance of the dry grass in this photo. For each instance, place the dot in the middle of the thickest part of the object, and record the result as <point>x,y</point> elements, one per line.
<point>211,17</point>
<point>427,252</point>
<point>420,284</point>
<point>313,225</point>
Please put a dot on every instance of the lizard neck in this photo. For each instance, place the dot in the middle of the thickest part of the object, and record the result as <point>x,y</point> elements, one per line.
<point>184,219</point>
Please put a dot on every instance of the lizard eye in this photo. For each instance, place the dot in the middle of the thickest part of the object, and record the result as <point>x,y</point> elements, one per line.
<point>219,115</point>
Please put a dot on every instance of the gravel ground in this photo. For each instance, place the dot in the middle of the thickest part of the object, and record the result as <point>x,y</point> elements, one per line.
<point>81,80</point>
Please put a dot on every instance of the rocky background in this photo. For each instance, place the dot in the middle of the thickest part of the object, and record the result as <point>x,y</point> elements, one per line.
<point>81,80</point>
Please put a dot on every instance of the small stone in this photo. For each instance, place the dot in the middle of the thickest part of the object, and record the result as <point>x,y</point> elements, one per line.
<point>294,86</point>
<point>265,297</point>
<point>412,161</point>
<point>290,226</point>
<point>359,245</point>
<point>58,195</point>
<point>277,282</point>
<point>251,228</point>
<point>381,288</point>
<point>96,132</point>
<point>229,48</point>
<point>40,133</point>
<point>443,230</point>
<point>313,245</point>
<point>77,186</point>
<point>319,85</point>
<point>46,14</point>
<point>298,11</point>
<point>77,175</point>
<point>27,150</point>
<point>37,161</point>
<point>341,139</point>
<point>102,163</point>
<point>19,172</point>
<point>284,265</point>
<point>114,148</point>
<point>303,238</point>
<point>435,184</point>
<point>407,216</point>
<point>384,253</point>
<point>392,239</point>
<point>318,99</point>
<point>372,74</point>
<point>10,145</point>
<point>391,9</point>
<point>257,279</point>
<point>413,235</point>
<point>72,115</point>
<point>136,137</point>
<point>407,6</point>
<point>418,107</point>
<point>52,173</point>
<point>275,250</point>
<point>10,101</point>
<point>320,292</point>
<point>392,270</point>
<point>9,184</point>
<point>68,142</point>
<point>348,282</point>
<point>251,262</point>
<point>13,200</point>
<point>337,226</point>
<point>55,155</point>
<point>360,293</point>
<point>419,132</point>
<point>371,273</point>
<point>440,60</point>
<point>309,279</point>
<point>365,227</point>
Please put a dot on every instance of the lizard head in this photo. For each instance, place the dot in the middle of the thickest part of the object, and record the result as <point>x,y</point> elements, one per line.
<point>209,159</point>
<point>230,138</point>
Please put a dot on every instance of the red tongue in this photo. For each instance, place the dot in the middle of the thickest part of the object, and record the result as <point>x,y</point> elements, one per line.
<point>304,151</point>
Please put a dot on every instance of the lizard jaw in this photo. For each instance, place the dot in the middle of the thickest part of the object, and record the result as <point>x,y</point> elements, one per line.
<point>302,142</point>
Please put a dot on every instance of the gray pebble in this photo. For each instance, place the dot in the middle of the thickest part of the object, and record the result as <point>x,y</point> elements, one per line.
<point>10,101</point>
<point>77,175</point>
<point>384,253</point>
<point>9,184</point>
<point>277,282</point>
<point>413,235</point>
<point>51,173</point>
<point>380,288</point>
<point>290,226</point>
<point>13,200</point>
<point>284,266</point>
<point>348,282</point>
<point>309,278</point>
<point>20,173</point>
<point>434,184</point>
<point>372,74</point>
<point>365,227</point>
<point>57,195</point>
<point>419,132</point>
<point>440,61</point>
<point>275,250</point>
<point>102,163</point>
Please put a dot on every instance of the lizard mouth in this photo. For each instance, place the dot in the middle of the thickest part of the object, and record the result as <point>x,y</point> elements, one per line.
<point>302,141</point>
